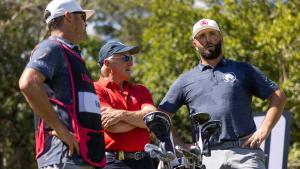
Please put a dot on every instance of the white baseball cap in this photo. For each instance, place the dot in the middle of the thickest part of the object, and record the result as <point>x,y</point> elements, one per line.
<point>58,8</point>
<point>204,24</point>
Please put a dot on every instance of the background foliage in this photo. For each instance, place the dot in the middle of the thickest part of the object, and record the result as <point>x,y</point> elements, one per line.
<point>263,33</point>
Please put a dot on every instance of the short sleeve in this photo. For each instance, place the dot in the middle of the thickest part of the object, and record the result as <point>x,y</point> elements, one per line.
<point>145,96</point>
<point>102,95</point>
<point>174,99</point>
<point>46,58</point>
<point>261,86</point>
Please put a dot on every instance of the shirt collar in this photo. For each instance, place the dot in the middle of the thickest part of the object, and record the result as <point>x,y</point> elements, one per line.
<point>110,84</point>
<point>203,67</point>
<point>66,42</point>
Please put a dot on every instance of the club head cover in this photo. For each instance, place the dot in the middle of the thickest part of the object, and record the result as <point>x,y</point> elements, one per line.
<point>160,124</point>
<point>211,128</point>
<point>209,131</point>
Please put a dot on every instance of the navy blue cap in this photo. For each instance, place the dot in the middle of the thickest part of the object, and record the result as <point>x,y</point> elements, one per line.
<point>111,48</point>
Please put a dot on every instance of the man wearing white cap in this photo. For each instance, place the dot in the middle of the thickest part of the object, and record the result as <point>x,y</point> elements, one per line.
<point>224,88</point>
<point>58,87</point>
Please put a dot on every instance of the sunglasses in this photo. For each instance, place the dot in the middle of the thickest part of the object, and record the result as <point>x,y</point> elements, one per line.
<point>83,15</point>
<point>125,58</point>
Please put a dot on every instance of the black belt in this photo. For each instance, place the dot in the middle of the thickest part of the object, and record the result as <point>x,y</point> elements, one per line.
<point>121,155</point>
<point>228,144</point>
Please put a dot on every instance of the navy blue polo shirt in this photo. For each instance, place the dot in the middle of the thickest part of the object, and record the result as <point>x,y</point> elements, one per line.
<point>225,91</point>
<point>48,58</point>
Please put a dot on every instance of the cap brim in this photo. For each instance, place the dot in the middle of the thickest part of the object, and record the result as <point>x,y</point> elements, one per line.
<point>89,13</point>
<point>130,49</point>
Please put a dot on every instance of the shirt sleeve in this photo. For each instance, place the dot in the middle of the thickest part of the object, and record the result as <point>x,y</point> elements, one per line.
<point>102,95</point>
<point>46,58</point>
<point>174,99</point>
<point>261,86</point>
<point>146,97</point>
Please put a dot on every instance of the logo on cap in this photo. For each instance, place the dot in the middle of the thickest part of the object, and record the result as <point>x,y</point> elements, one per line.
<point>203,23</point>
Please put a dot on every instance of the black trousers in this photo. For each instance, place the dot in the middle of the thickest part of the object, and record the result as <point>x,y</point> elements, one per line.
<point>113,163</point>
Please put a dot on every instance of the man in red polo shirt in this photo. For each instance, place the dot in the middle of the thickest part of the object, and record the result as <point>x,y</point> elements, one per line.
<point>123,107</point>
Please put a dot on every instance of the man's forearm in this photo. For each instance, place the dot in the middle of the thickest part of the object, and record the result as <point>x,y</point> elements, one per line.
<point>276,106</point>
<point>120,127</point>
<point>135,118</point>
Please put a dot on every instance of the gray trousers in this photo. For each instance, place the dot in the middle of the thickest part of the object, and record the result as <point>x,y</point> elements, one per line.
<point>67,166</point>
<point>235,158</point>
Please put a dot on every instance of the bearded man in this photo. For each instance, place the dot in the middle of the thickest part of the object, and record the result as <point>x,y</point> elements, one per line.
<point>224,88</point>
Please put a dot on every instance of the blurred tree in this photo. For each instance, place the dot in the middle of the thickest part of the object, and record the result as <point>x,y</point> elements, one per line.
<point>167,51</point>
<point>20,29</point>
<point>119,19</point>
<point>114,20</point>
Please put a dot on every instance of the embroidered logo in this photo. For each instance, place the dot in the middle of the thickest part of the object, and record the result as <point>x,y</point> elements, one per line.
<point>229,77</point>
<point>45,53</point>
<point>133,99</point>
<point>203,23</point>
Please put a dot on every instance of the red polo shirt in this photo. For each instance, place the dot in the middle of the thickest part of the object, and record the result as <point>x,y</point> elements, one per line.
<point>132,98</point>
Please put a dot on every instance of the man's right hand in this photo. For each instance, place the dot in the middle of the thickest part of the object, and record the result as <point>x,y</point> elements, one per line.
<point>68,138</point>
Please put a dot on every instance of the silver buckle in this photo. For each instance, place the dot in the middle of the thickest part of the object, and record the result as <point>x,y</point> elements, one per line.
<point>138,155</point>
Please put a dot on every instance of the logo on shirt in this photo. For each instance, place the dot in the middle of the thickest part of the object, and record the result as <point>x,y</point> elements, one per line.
<point>229,77</point>
<point>133,99</point>
<point>45,53</point>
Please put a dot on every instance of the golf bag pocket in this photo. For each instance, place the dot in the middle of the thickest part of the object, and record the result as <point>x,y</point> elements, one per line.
<point>92,146</point>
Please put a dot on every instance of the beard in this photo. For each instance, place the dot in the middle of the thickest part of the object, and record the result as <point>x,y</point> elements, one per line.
<point>211,54</point>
